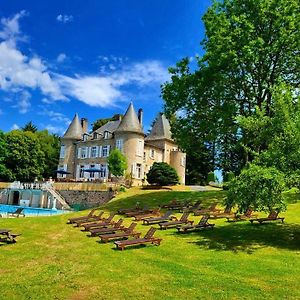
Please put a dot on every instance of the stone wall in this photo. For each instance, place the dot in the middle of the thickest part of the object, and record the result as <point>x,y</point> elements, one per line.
<point>86,199</point>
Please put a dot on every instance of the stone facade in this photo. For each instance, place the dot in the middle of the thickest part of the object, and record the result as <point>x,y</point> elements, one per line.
<point>83,152</point>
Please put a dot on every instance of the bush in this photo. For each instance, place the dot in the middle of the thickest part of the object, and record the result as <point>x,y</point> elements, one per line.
<point>211,177</point>
<point>228,176</point>
<point>162,174</point>
<point>257,187</point>
<point>117,163</point>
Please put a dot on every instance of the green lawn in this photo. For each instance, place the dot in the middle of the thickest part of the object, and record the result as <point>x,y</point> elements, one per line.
<point>52,260</point>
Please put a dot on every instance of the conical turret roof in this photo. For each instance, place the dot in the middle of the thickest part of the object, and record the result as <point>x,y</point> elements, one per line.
<point>130,121</point>
<point>74,130</point>
<point>161,129</point>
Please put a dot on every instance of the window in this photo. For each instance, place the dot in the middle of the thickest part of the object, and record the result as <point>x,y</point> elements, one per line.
<point>102,173</point>
<point>138,170</point>
<point>94,151</point>
<point>81,172</point>
<point>62,151</point>
<point>106,134</point>
<point>85,137</point>
<point>64,168</point>
<point>152,153</point>
<point>144,156</point>
<point>105,151</point>
<point>119,145</point>
<point>83,152</point>
<point>95,135</point>
<point>140,148</point>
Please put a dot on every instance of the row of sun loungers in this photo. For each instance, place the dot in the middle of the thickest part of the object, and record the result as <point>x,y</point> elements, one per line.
<point>109,230</point>
<point>6,236</point>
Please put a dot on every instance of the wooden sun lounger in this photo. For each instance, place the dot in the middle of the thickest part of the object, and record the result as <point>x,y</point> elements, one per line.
<point>78,219</point>
<point>92,218</point>
<point>7,237</point>
<point>127,210</point>
<point>154,213</point>
<point>203,224</point>
<point>218,214</point>
<point>182,220</point>
<point>166,217</point>
<point>17,213</point>
<point>246,216</point>
<point>120,235</point>
<point>148,238</point>
<point>98,224</point>
<point>192,208</point>
<point>109,229</point>
<point>211,209</point>
<point>139,212</point>
<point>273,216</point>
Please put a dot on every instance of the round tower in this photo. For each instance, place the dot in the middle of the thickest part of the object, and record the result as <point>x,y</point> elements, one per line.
<point>130,135</point>
<point>68,147</point>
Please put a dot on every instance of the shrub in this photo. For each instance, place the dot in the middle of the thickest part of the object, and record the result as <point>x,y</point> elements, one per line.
<point>211,177</point>
<point>162,174</point>
<point>228,176</point>
<point>257,187</point>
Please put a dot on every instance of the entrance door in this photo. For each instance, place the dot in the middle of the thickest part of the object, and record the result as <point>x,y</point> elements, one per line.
<point>16,197</point>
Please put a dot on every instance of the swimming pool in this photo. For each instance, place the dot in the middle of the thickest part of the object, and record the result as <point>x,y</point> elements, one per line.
<point>31,211</point>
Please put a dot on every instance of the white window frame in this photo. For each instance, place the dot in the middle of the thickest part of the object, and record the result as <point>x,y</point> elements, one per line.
<point>152,153</point>
<point>119,144</point>
<point>105,150</point>
<point>62,151</point>
<point>140,148</point>
<point>84,152</point>
<point>94,151</point>
<point>105,135</point>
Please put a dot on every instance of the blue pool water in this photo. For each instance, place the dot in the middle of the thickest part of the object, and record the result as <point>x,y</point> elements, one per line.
<point>30,211</point>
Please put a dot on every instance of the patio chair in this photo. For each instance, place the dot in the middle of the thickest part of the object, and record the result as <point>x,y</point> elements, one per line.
<point>244,217</point>
<point>211,209</point>
<point>92,218</point>
<point>154,213</point>
<point>148,238</point>
<point>166,217</point>
<point>203,224</point>
<point>273,216</point>
<point>109,229</point>
<point>127,210</point>
<point>100,223</point>
<point>17,213</point>
<point>171,204</point>
<point>138,212</point>
<point>120,235</point>
<point>192,208</point>
<point>218,214</point>
<point>90,214</point>
<point>182,220</point>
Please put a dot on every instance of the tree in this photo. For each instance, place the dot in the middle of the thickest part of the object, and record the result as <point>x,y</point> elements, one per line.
<point>29,127</point>
<point>50,145</point>
<point>25,158</point>
<point>250,48</point>
<point>117,163</point>
<point>257,187</point>
<point>162,174</point>
<point>5,173</point>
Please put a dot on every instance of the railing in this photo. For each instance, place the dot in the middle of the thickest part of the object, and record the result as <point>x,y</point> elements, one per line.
<point>57,197</point>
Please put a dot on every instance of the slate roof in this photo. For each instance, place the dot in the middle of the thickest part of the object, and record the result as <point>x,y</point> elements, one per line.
<point>160,130</point>
<point>130,122</point>
<point>74,130</point>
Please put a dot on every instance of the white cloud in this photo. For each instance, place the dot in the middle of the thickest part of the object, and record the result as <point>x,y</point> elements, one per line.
<point>11,30</point>
<point>20,73</point>
<point>61,57</point>
<point>64,18</point>
<point>56,129</point>
<point>15,127</point>
<point>56,116</point>
<point>23,102</point>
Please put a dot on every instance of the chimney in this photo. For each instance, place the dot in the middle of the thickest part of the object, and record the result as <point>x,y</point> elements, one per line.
<point>84,125</point>
<point>140,116</point>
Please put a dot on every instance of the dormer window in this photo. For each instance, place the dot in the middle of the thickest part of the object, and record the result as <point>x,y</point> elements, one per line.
<point>106,134</point>
<point>95,135</point>
<point>85,137</point>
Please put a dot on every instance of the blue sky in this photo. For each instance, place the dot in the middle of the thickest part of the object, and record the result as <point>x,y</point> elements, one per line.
<point>92,57</point>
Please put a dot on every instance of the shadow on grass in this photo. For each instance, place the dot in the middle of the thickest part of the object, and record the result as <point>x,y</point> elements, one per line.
<point>291,198</point>
<point>154,199</point>
<point>248,238</point>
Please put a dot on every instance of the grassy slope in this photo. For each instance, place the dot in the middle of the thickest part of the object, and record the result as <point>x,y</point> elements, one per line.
<point>52,260</point>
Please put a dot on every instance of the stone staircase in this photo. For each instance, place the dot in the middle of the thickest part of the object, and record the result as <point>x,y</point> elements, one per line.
<point>57,197</point>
